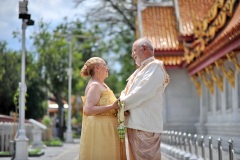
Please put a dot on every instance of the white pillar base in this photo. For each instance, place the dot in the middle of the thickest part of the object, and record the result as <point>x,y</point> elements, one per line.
<point>21,152</point>
<point>69,138</point>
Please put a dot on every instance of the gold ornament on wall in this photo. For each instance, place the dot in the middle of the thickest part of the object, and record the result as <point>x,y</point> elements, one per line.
<point>208,82</point>
<point>229,7</point>
<point>220,3</point>
<point>217,78</point>
<point>212,13</point>
<point>197,84</point>
<point>188,55</point>
<point>232,57</point>
<point>228,73</point>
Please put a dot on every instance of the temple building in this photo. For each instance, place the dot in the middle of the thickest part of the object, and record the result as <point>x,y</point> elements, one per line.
<point>199,43</point>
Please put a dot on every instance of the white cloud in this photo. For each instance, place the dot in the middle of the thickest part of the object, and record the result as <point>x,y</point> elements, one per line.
<point>51,11</point>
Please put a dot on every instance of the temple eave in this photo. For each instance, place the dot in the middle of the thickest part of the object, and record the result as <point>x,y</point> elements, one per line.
<point>186,38</point>
<point>211,57</point>
<point>169,52</point>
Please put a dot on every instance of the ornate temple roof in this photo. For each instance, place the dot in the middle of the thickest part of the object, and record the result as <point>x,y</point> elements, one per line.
<point>224,39</point>
<point>187,33</point>
<point>191,10</point>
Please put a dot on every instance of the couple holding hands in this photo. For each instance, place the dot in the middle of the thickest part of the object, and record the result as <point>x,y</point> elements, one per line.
<point>103,135</point>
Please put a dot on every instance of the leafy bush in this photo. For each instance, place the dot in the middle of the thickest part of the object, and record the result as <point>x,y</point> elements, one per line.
<point>4,153</point>
<point>34,151</point>
<point>47,120</point>
<point>53,142</point>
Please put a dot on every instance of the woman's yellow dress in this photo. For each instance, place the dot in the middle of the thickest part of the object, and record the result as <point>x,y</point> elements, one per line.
<point>99,139</point>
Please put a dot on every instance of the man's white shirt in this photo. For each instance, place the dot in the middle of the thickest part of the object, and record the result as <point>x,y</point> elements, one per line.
<point>143,97</point>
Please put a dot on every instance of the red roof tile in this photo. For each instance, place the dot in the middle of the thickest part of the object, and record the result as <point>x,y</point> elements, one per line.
<point>191,10</point>
<point>159,25</point>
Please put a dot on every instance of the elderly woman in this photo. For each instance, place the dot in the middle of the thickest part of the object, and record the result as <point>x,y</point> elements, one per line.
<point>99,138</point>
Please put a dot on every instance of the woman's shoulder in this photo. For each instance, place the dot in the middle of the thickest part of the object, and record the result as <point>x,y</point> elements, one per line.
<point>96,87</point>
<point>93,87</point>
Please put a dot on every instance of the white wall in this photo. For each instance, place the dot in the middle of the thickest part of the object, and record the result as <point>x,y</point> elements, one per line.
<point>181,102</point>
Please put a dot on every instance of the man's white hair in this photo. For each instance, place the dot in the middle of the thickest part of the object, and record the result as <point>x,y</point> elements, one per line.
<point>147,42</point>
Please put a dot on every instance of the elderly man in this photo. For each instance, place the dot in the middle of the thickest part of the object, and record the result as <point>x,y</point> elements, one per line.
<point>143,98</point>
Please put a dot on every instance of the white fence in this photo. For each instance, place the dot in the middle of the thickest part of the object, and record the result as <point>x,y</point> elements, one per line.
<point>7,133</point>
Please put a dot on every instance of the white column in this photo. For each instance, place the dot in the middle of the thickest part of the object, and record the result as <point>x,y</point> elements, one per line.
<point>214,101</point>
<point>178,16</point>
<point>140,7</point>
<point>21,140</point>
<point>200,126</point>
<point>235,98</point>
<point>69,137</point>
<point>224,97</point>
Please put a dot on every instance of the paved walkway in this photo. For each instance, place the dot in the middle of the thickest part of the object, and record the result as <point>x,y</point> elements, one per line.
<point>69,151</point>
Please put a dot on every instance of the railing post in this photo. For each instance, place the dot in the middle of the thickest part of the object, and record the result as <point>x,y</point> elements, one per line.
<point>219,148</point>
<point>172,143</point>
<point>169,138</point>
<point>180,144</point>
<point>181,140</point>
<point>184,142</point>
<point>196,144</point>
<point>210,148</point>
<point>231,151</point>
<point>182,154</point>
<point>203,147</point>
<point>176,151</point>
<point>169,142</point>
<point>194,156</point>
<point>188,143</point>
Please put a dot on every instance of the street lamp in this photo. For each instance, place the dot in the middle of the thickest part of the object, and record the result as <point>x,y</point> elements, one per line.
<point>68,134</point>
<point>70,37</point>
<point>21,140</point>
<point>69,137</point>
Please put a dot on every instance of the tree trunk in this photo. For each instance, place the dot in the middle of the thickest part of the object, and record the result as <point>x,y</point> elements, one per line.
<point>61,118</point>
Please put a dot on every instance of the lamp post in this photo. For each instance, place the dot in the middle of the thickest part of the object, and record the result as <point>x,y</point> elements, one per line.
<point>69,137</point>
<point>21,141</point>
<point>68,133</point>
<point>70,37</point>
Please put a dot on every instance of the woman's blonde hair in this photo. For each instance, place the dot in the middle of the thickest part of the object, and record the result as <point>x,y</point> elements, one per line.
<point>87,69</point>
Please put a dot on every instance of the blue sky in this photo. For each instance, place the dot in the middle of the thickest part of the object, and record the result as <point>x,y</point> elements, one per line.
<point>52,11</point>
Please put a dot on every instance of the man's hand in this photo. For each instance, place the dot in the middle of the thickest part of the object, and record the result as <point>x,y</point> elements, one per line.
<point>126,113</point>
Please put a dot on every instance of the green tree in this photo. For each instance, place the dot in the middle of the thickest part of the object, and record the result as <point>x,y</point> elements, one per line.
<point>9,77</point>
<point>36,94</point>
<point>117,20</point>
<point>53,58</point>
<point>10,71</point>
